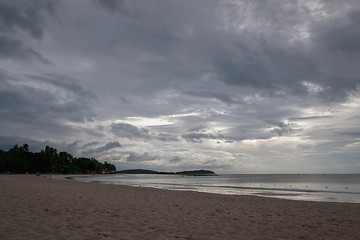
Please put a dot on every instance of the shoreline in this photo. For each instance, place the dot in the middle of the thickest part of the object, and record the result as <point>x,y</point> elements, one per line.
<point>297,194</point>
<point>51,208</point>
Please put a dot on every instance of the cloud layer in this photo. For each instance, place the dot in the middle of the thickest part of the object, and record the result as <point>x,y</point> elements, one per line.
<point>231,86</point>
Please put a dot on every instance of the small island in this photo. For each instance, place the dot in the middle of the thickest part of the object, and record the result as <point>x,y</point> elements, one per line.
<point>186,173</point>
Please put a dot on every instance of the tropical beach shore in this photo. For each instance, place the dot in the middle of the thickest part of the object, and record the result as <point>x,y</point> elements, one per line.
<point>47,208</point>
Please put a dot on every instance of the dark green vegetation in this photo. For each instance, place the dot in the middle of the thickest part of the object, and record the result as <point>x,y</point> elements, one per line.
<point>21,160</point>
<point>187,173</point>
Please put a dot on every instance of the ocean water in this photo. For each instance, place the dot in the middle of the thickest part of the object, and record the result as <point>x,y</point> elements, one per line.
<point>309,187</point>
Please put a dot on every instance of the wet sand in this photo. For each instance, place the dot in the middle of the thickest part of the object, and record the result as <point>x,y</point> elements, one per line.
<point>42,208</point>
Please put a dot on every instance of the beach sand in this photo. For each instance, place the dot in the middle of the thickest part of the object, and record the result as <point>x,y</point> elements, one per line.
<point>42,208</point>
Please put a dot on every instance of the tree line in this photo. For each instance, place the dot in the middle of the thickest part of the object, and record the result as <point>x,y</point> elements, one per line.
<point>19,159</point>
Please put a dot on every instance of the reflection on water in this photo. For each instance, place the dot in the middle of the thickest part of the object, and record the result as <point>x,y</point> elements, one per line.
<point>312,187</point>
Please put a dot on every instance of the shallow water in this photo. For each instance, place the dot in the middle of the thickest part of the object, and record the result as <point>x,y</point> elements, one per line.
<point>311,187</point>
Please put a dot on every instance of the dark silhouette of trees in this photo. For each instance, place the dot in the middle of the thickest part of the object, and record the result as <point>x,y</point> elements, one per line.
<point>186,173</point>
<point>21,160</point>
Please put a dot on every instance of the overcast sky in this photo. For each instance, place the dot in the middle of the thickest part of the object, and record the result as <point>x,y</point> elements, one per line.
<point>231,86</point>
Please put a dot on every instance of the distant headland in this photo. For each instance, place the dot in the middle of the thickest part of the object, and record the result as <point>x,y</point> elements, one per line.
<point>186,173</point>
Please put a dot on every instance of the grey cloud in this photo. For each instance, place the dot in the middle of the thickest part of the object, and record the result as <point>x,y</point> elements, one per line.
<point>282,131</point>
<point>200,65</point>
<point>21,14</point>
<point>197,137</point>
<point>266,71</point>
<point>341,35</point>
<point>94,132</point>
<point>259,58</point>
<point>66,83</point>
<point>352,134</point>
<point>27,106</point>
<point>275,65</point>
<point>17,16</point>
<point>129,131</point>
<point>108,146</point>
<point>116,5</point>
<point>13,48</point>
<point>223,97</point>
<point>282,128</point>
<point>126,130</point>
<point>261,131</point>
<point>308,118</point>
<point>145,157</point>
<point>72,147</point>
<point>73,144</point>
<point>176,159</point>
<point>338,51</point>
<point>196,129</point>
<point>166,137</point>
<point>91,144</point>
<point>110,4</point>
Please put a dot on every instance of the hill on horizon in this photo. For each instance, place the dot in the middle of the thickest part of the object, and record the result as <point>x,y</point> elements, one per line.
<point>188,173</point>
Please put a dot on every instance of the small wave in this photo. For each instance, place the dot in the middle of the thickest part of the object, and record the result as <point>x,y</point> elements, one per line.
<point>312,192</point>
<point>286,189</point>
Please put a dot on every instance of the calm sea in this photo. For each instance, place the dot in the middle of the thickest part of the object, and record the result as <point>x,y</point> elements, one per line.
<point>310,187</point>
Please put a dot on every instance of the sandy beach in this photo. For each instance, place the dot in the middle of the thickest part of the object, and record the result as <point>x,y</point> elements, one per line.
<point>42,208</point>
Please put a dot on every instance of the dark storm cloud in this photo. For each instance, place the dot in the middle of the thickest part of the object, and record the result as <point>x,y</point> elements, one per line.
<point>23,16</point>
<point>266,56</point>
<point>94,132</point>
<point>71,148</point>
<point>145,157</point>
<point>283,129</point>
<point>166,137</point>
<point>267,71</point>
<point>91,144</point>
<point>30,105</point>
<point>221,69</point>
<point>65,83</point>
<point>73,144</point>
<point>197,137</point>
<point>352,134</point>
<point>13,48</point>
<point>126,130</point>
<point>175,159</point>
<point>269,63</point>
<point>196,129</point>
<point>337,43</point>
<point>108,146</point>
<point>115,5</point>
<point>343,35</point>
<point>308,118</point>
<point>221,96</point>
<point>255,59</point>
